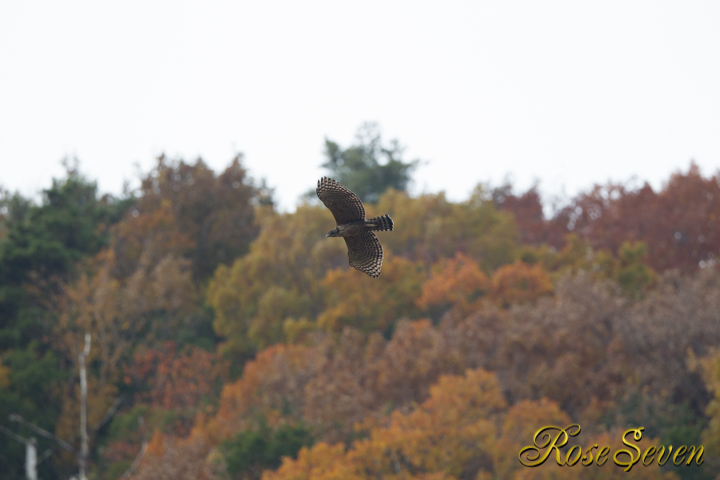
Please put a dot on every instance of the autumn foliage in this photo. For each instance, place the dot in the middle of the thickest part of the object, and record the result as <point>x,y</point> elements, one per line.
<point>232,341</point>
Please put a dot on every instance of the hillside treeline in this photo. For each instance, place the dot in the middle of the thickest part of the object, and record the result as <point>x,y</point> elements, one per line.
<point>231,341</point>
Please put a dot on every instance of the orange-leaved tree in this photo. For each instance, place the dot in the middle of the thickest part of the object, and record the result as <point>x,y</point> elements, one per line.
<point>215,212</point>
<point>353,300</point>
<point>457,281</point>
<point>519,283</point>
<point>449,435</point>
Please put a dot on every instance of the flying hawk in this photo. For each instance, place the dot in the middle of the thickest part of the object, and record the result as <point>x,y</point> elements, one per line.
<point>364,249</point>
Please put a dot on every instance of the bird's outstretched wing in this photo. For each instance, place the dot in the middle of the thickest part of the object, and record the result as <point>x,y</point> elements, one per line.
<point>345,206</point>
<point>365,253</point>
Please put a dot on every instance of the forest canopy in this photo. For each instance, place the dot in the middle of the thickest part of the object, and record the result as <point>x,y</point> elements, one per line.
<point>232,341</point>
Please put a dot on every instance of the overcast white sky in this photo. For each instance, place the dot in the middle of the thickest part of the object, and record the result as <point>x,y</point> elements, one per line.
<point>567,92</point>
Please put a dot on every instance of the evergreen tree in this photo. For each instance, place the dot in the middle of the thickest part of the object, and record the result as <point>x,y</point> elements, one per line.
<point>368,167</point>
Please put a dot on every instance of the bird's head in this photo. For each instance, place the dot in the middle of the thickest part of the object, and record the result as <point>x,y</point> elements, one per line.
<point>335,232</point>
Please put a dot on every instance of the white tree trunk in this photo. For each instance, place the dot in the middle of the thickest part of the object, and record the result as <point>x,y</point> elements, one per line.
<point>30,449</point>
<point>31,460</point>
<point>84,451</point>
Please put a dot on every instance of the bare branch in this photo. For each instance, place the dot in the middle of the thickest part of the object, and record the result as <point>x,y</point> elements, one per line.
<point>141,454</point>
<point>13,435</point>
<point>111,411</point>
<point>136,463</point>
<point>14,417</point>
<point>44,456</point>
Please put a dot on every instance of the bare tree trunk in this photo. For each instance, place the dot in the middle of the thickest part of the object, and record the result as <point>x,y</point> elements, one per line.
<point>31,460</point>
<point>84,451</point>
<point>30,453</point>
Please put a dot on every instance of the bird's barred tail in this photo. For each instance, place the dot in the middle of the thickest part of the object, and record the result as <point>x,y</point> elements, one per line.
<point>380,224</point>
